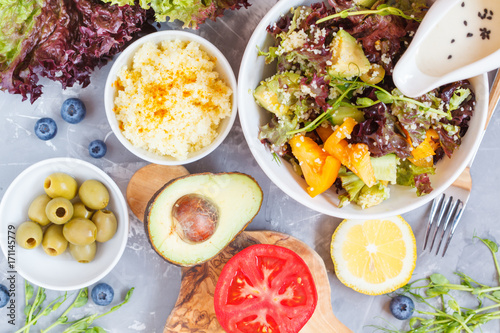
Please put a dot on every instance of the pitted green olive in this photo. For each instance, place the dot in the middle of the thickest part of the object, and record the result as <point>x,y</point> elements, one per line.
<point>60,185</point>
<point>36,211</point>
<point>106,224</point>
<point>80,231</point>
<point>29,235</point>
<point>53,242</point>
<point>83,253</point>
<point>80,210</point>
<point>59,210</point>
<point>94,194</point>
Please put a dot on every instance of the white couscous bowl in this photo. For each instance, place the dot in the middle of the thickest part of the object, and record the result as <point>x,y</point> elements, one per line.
<point>160,118</point>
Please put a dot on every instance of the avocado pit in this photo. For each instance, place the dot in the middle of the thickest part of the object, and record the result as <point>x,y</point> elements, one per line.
<point>196,217</point>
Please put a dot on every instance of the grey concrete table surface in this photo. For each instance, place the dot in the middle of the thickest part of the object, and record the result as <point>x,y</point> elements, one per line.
<point>157,282</point>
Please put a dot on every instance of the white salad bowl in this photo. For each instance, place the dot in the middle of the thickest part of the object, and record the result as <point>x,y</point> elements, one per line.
<point>125,59</point>
<point>61,272</point>
<point>402,198</point>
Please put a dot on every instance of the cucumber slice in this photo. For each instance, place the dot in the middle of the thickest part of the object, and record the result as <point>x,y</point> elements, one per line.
<point>385,167</point>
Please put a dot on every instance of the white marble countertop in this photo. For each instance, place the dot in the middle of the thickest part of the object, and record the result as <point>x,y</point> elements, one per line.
<point>156,281</point>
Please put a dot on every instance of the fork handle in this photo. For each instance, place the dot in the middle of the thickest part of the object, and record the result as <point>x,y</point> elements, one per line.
<point>494,96</point>
<point>464,181</point>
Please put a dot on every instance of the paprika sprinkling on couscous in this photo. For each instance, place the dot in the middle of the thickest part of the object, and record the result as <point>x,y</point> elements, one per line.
<point>171,99</point>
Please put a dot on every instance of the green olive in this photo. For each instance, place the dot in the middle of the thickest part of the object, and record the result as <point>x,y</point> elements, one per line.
<point>60,185</point>
<point>83,253</point>
<point>29,235</point>
<point>80,210</point>
<point>53,242</point>
<point>80,231</point>
<point>374,75</point>
<point>36,212</point>
<point>106,224</point>
<point>59,210</point>
<point>94,194</point>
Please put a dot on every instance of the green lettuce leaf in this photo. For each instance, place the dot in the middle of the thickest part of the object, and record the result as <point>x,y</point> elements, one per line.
<point>407,172</point>
<point>190,12</point>
<point>21,17</point>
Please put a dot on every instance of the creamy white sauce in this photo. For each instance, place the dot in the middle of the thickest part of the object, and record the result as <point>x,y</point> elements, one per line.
<point>466,34</point>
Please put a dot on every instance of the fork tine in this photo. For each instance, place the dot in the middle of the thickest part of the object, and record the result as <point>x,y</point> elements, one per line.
<point>444,207</point>
<point>435,205</point>
<point>451,212</point>
<point>460,210</point>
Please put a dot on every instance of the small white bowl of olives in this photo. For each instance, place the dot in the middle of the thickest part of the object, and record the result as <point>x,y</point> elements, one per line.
<point>69,223</point>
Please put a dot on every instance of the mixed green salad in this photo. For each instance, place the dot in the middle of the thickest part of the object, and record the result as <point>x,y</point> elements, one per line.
<point>336,113</point>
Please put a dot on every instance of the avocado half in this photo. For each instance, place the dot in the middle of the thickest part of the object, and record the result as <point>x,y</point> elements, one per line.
<point>192,218</point>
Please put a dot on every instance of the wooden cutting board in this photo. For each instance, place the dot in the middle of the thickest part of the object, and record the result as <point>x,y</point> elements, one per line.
<point>194,310</point>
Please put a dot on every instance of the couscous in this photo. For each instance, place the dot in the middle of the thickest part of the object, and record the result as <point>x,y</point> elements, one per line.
<point>171,99</point>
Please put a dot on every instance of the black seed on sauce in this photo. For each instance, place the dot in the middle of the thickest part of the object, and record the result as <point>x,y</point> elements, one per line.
<point>463,4</point>
<point>449,57</point>
<point>470,34</point>
<point>465,23</point>
<point>452,41</point>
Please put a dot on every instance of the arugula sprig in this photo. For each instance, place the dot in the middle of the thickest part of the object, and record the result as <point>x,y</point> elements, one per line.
<point>83,325</point>
<point>80,300</point>
<point>450,316</point>
<point>35,311</point>
<point>316,122</point>
<point>362,102</point>
<point>382,10</point>
<point>387,98</point>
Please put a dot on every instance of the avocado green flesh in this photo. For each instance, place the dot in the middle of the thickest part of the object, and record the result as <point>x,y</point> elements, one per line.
<point>238,198</point>
<point>348,58</point>
<point>339,115</point>
<point>268,95</point>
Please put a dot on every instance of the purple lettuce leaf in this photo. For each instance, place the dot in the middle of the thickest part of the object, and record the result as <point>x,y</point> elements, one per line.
<point>423,184</point>
<point>379,132</point>
<point>69,40</point>
<point>318,87</point>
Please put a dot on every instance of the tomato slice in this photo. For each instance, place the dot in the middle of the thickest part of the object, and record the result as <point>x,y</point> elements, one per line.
<point>265,289</point>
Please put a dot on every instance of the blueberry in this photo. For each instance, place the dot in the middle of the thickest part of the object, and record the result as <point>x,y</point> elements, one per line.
<point>97,148</point>
<point>4,296</point>
<point>402,307</point>
<point>45,128</point>
<point>102,294</point>
<point>73,110</point>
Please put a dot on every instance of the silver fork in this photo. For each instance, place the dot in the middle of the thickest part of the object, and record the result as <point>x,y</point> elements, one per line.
<point>459,190</point>
<point>450,206</point>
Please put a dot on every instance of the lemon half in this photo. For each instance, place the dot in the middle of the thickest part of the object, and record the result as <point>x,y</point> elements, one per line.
<point>374,257</point>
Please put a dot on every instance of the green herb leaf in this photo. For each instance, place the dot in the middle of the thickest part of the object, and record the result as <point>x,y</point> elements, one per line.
<point>436,291</point>
<point>494,249</point>
<point>489,243</point>
<point>454,305</point>
<point>384,97</point>
<point>458,97</point>
<point>381,10</point>
<point>28,290</point>
<point>95,329</point>
<point>365,102</point>
<point>439,279</point>
<point>82,298</point>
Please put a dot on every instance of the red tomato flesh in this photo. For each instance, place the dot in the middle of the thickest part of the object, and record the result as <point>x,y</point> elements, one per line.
<point>265,289</point>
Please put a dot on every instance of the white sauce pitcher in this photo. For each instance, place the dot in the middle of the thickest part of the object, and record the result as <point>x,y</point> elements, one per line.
<point>457,39</point>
